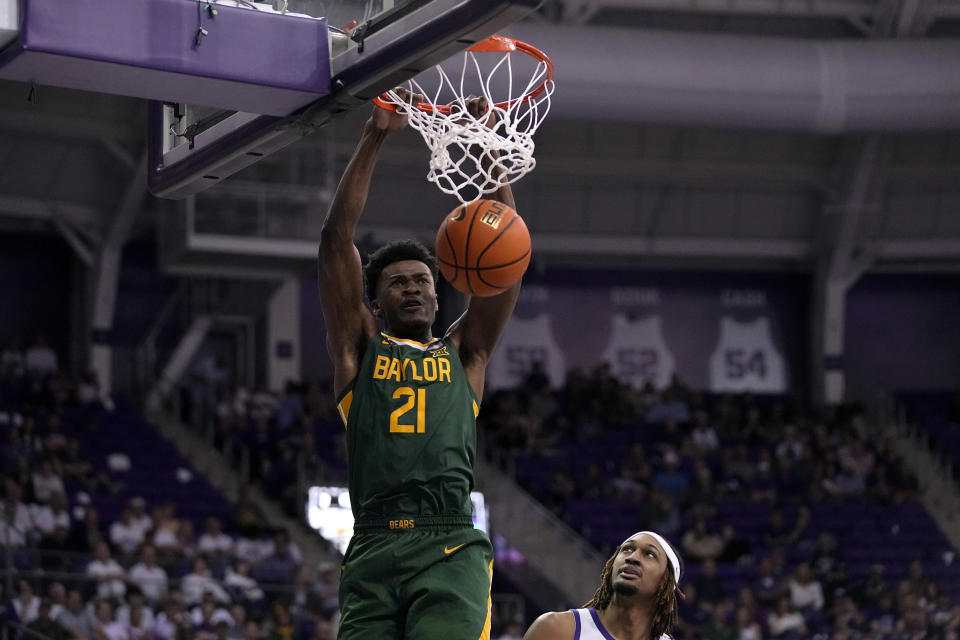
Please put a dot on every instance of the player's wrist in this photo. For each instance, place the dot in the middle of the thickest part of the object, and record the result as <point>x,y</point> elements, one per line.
<point>374,127</point>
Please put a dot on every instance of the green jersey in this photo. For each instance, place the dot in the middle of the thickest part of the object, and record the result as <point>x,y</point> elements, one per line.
<point>410,416</point>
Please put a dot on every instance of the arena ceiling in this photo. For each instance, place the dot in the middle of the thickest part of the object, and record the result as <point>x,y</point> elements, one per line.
<point>708,185</point>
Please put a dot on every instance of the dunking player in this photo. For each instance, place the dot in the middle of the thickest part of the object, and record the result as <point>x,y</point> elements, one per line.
<point>416,567</point>
<point>636,599</point>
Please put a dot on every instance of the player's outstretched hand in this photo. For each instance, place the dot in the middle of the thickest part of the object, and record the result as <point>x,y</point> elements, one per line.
<point>477,107</point>
<point>390,120</point>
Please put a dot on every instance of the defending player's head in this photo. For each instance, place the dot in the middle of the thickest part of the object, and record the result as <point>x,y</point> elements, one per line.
<point>401,279</point>
<point>645,570</point>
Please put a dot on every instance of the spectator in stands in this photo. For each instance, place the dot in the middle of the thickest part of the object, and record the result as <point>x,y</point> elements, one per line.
<point>45,625</point>
<point>21,472</point>
<point>214,542</point>
<point>736,548</point>
<point>875,586</point>
<point>806,592</point>
<point>704,436</point>
<point>252,547</point>
<point>826,558</point>
<point>251,631</point>
<point>49,517</point>
<point>791,446</point>
<point>747,627</point>
<point>289,407</point>
<point>279,626</point>
<point>537,380</point>
<point>76,467</point>
<point>671,478</point>
<point>105,627</point>
<point>709,585</point>
<point>326,588</point>
<point>40,359</point>
<point>283,560</point>
<point>280,475</point>
<point>789,478</point>
<point>12,362</point>
<point>669,407</point>
<point>692,614</point>
<point>126,535</point>
<point>846,616</point>
<point>57,594</point>
<point>913,619</point>
<point>207,614</point>
<point>702,543</point>
<point>719,627</point>
<point>800,525</point>
<point>915,584</point>
<point>149,577</point>
<point>239,616</point>
<point>186,540</point>
<point>26,605</point>
<point>776,533</point>
<point>172,622</point>
<point>635,470</point>
<point>245,518</point>
<point>263,402</point>
<point>240,585</point>
<point>766,586</point>
<point>107,573</point>
<point>135,616</point>
<point>89,393</point>
<point>259,441</point>
<point>166,528</point>
<point>16,525</point>
<point>703,493</point>
<point>74,617</point>
<point>54,442</point>
<point>784,622</point>
<point>85,534</point>
<point>322,629</point>
<point>560,489</point>
<point>199,582</point>
<point>637,596</point>
<point>46,481</point>
<point>660,511</point>
<point>763,484</point>
<point>138,509</point>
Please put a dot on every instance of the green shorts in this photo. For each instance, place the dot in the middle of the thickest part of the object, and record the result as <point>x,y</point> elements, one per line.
<point>419,584</point>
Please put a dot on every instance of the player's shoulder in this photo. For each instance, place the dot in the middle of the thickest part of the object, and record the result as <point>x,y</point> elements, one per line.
<point>553,625</point>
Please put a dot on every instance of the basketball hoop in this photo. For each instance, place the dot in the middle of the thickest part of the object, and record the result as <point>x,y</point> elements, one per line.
<point>503,151</point>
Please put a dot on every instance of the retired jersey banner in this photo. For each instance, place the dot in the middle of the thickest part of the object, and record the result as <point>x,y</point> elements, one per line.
<point>717,332</point>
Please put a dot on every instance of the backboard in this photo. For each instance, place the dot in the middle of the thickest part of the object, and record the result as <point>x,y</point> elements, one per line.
<point>373,45</point>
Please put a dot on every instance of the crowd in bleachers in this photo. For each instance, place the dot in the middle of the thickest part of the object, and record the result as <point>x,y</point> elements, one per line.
<point>84,555</point>
<point>793,524</point>
<point>274,440</point>
<point>765,497</point>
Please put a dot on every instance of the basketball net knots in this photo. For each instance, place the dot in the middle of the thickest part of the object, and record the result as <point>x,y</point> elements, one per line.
<point>468,158</point>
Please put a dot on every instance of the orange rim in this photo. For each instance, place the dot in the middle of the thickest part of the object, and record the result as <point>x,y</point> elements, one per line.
<point>493,44</point>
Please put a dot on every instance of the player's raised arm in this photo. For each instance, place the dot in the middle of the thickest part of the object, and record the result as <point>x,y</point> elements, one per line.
<point>480,328</point>
<point>340,271</point>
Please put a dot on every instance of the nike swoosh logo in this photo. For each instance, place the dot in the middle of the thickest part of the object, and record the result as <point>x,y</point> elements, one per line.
<point>448,550</point>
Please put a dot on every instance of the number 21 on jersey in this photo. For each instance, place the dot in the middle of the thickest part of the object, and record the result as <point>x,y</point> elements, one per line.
<point>413,400</point>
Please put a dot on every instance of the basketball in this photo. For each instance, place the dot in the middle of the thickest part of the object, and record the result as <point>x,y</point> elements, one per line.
<point>483,248</point>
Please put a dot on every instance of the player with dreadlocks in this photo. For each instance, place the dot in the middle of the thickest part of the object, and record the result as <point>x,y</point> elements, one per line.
<point>636,600</point>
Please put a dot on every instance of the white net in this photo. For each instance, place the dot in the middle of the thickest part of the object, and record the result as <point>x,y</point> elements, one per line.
<point>473,156</point>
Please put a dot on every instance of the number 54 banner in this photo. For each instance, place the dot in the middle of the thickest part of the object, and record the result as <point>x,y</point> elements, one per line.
<point>745,358</point>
